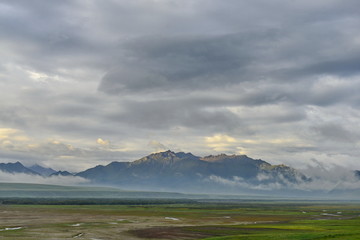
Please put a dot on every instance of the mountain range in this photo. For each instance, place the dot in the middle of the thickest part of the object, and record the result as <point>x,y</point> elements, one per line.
<point>169,170</point>
<point>185,172</point>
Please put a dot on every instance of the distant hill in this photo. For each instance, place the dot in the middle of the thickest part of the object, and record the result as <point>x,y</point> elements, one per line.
<point>16,168</point>
<point>170,170</point>
<point>42,170</point>
<point>24,190</point>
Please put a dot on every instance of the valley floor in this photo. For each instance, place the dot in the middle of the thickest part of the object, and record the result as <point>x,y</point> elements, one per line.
<point>207,220</point>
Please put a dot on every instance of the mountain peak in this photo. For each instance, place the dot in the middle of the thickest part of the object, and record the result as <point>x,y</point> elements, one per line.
<point>61,173</point>
<point>167,156</point>
<point>167,153</point>
<point>16,167</point>
<point>222,157</point>
<point>42,170</point>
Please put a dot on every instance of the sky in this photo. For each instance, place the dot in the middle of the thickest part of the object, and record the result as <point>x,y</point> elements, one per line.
<point>85,82</point>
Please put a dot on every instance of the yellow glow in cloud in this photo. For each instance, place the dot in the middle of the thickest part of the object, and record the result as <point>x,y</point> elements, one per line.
<point>33,145</point>
<point>11,137</point>
<point>250,141</point>
<point>270,141</point>
<point>12,134</point>
<point>21,138</point>
<point>7,142</point>
<point>282,141</point>
<point>157,146</point>
<point>221,142</point>
<point>103,142</point>
<point>220,138</point>
<point>37,76</point>
<point>7,132</point>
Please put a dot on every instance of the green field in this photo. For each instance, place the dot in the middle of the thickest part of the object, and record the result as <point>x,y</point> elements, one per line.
<point>199,220</point>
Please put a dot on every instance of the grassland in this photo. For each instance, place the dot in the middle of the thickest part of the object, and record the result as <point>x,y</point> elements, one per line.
<point>201,220</point>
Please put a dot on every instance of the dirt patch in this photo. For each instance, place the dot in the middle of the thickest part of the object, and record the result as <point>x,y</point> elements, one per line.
<point>167,233</point>
<point>193,232</point>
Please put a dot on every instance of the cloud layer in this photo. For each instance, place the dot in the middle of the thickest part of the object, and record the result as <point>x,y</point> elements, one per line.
<point>84,82</point>
<point>54,180</point>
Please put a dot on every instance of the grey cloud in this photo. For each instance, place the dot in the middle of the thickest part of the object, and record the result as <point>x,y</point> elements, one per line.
<point>260,57</point>
<point>318,91</point>
<point>246,69</point>
<point>12,155</point>
<point>46,35</point>
<point>74,113</point>
<point>295,149</point>
<point>13,116</point>
<point>130,78</point>
<point>64,156</point>
<point>157,146</point>
<point>341,67</point>
<point>67,32</point>
<point>211,114</point>
<point>179,62</point>
<point>336,95</point>
<point>164,114</point>
<point>335,132</point>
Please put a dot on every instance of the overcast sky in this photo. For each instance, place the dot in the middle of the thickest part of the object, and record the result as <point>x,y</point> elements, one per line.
<point>85,82</point>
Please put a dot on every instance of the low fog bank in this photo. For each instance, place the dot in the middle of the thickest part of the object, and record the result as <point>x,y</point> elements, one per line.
<point>6,177</point>
<point>323,182</point>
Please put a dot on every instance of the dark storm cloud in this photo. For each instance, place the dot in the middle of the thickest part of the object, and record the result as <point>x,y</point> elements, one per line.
<point>341,67</point>
<point>278,58</point>
<point>195,62</point>
<point>178,62</point>
<point>48,36</point>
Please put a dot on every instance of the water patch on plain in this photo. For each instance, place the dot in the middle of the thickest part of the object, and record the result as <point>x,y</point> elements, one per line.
<point>11,228</point>
<point>76,225</point>
<point>329,214</point>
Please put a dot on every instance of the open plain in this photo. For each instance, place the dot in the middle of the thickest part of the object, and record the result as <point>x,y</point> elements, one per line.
<point>200,220</point>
